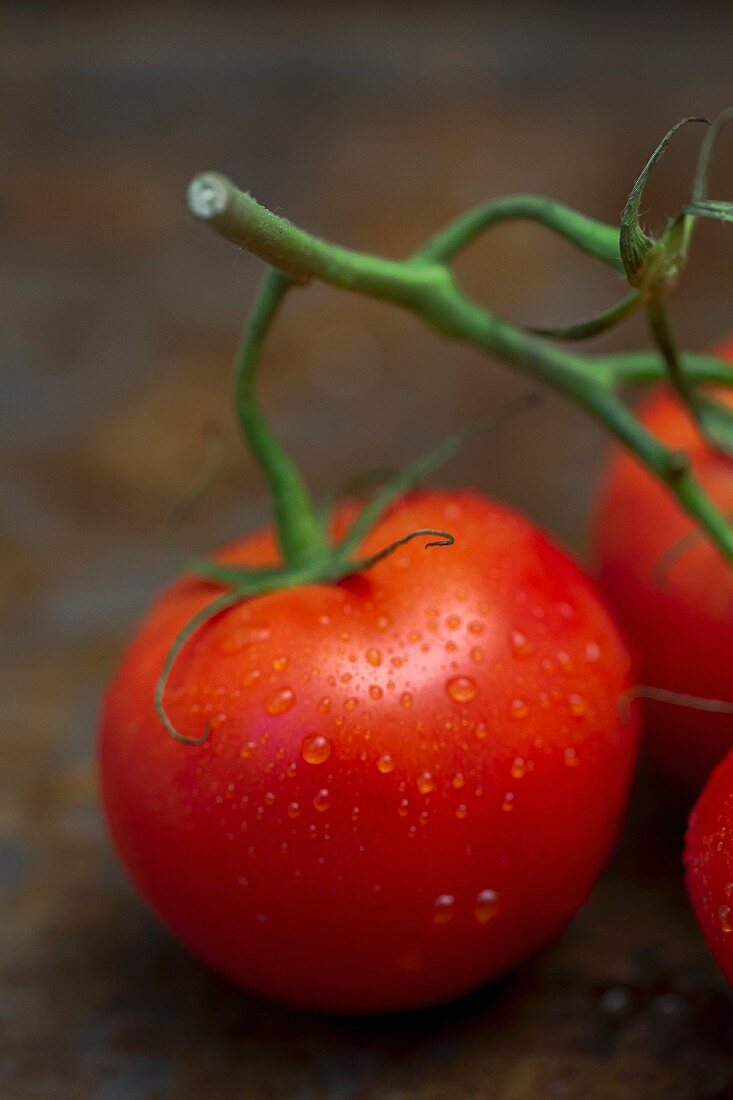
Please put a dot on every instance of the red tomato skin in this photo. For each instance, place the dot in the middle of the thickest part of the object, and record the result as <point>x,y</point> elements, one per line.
<point>709,864</point>
<point>681,631</point>
<point>468,788</point>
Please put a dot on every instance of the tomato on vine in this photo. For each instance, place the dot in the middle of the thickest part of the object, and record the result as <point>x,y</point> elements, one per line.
<point>709,864</point>
<point>413,775</point>
<point>673,593</point>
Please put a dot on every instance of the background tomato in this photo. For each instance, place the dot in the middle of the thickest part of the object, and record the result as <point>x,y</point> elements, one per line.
<point>709,862</point>
<point>413,777</point>
<point>680,623</point>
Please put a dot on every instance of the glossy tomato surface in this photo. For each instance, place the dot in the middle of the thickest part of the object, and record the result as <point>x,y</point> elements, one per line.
<point>678,621</point>
<point>413,776</point>
<point>709,863</point>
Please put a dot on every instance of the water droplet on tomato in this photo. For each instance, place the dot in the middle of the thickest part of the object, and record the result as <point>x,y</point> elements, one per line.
<point>315,748</point>
<point>508,803</point>
<point>481,731</point>
<point>385,764</point>
<point>453,622</point>
<point>350,703</point>
<point>459,780</point>
<point>570,758</point>
<point>518,768</point>
<point>519,708</point>
<point>461,689</point>
<point>425,783</point>
<point>477,655</point>
<point>403,807</point>
<point>486,906</point>
<point>293,809</point>
<point>443,908</point>
<point>476,627</point>
<point>406,700</point>
<point>280,663</point>
<point>374,657</point>
<point>280,702</point>
<point>521,646</point>
<point>592,651</point>
<point>251,677</point>
<point>269,798</point>
<point>375,691</point>
<point>578,705</point>
<point>322,800</point>
<point>725,916</point>
<point>461,811</point>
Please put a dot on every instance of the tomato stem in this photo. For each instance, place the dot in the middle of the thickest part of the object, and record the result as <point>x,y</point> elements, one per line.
<point>299,533</point>
<point>424,284</point>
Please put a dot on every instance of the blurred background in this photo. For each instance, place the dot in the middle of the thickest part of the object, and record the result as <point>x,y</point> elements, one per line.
<point>371,124</point>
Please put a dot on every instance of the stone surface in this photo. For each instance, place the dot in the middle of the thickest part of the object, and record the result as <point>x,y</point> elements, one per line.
<point>371,124</point>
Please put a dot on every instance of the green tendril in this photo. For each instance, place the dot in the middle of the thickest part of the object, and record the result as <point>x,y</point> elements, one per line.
<point>192,626</point>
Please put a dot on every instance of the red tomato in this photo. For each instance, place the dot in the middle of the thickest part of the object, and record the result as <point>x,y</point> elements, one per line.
<point>681,624</point>
<point>413,778</point>
<point>709,863</point>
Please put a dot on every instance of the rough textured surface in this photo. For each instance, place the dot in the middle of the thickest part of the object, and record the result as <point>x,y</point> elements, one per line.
<point>371,124</point>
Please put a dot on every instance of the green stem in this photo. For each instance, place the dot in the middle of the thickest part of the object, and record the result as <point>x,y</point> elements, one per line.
<point>425,285</point>
<point>597,239</point>
<point>299,533</point>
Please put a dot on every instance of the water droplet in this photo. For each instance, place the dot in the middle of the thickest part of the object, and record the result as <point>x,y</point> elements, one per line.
<point>350,703</point>
<point>403,807</point>
<point>406,700</point>
<point>246,751</point>
<point>486,906</point>
<point>242,881</point>
<point>461,811</point>
<point>280,702</point>
<point>322,800</point>
<point>476,627</point>
<point>477,655</point>
<point>570,758</point>
<point>453,622</point>
<point>251,677</point>
<point>279,663</point>
<point>374,657</point>
<point>425,783</point>
<point>375,691</point>
<point>521,646</point>
<point>385,764</point>
<point>443,908</point>
<point>578,705</point>
<point>728,889</point>
<point>519,767</point>
<point>315,748</point>
<point>725,916</point>
<point>481,731</point>
<point>461,689</point>
<point>423,818</point>
<point>355,813</point>
<point>519,708</point>
<point>293,809</point>
<point>508,803</point>
<point>290,771</point>
<point>592,651</point>
<point>269,798</point>
<point>459,780</point>
<point>564,660</point>
<point>383,623</point>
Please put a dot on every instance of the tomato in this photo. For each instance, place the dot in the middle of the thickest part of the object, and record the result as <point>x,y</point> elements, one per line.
<point>680,622</point>
<point>709,864</point>
<point>413,776</point>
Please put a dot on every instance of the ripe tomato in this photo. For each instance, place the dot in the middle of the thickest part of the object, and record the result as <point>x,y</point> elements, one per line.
<point>709,864</point>
<point>680,623</point>
<point>413,776</point>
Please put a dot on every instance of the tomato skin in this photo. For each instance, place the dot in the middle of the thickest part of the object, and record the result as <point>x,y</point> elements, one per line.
<point>682,629</point>
<point>475,761</point>
<point>709,864</point>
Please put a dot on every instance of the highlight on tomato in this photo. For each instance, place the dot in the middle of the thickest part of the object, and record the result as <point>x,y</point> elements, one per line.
<point>709,864</point>
<point>672,593</point>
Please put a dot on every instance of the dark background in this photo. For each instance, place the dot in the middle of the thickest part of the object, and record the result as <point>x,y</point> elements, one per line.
<point>371,124</point>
